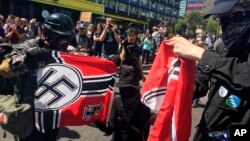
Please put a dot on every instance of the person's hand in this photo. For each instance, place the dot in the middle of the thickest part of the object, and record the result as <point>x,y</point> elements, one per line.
<point>184,48</point>
<point>5,69</point>
<point>107,26</point>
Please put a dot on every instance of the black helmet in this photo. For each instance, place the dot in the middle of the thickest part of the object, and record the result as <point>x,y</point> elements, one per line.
<point>59,30</point>
<point>60,24</point>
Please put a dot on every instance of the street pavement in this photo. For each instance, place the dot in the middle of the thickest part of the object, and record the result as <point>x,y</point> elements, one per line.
<point>91,133</point>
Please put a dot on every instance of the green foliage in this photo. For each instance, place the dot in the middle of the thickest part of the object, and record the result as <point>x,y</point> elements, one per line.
<point>195,20</point>
<point>187,26</point>
<point>212,26</point>
<point>181,26</point>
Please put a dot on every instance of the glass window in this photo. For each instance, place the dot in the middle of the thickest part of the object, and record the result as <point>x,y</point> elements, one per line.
<point>110,4</point>
<point>135,1</point>
<point>123,7</point>
<point>161,8</point>
<point>145,2</point>
<point>144,13</point>
<point>134,10</point>
<point>160,17</point>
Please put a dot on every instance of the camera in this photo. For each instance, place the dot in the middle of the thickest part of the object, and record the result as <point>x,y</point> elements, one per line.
<point>110,26</point>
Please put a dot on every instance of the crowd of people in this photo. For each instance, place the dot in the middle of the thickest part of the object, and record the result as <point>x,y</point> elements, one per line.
<point>59,33</point>
<point>222,73</point>
<point>101,40</point>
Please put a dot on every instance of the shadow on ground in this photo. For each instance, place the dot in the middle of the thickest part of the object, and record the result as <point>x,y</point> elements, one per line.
<point>66,132</point>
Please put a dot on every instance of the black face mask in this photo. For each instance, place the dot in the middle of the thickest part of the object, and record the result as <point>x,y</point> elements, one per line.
<point>61,43</point>
<point>234,28</point>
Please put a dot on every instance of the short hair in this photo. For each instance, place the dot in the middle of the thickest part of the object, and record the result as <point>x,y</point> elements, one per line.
<point>131,30</point>
<point>109,19</point>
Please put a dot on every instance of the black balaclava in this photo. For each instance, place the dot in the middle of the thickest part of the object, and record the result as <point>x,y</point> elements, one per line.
<point>235,32</point>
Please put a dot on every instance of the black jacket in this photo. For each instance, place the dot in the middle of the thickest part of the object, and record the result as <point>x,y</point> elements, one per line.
<point>233,73</point>
<point>137,129</point>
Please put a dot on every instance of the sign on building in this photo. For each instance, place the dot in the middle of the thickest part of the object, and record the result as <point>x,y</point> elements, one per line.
<point>85,16</point>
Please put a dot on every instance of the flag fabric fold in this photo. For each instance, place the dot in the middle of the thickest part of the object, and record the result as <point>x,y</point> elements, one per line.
<point>168,90</point>
<point>73,90</point>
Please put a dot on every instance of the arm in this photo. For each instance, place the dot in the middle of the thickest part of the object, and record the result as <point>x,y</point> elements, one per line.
<point>117,37</point>
<point>201,84</point>
<point>122,54</point>
<point>22,58</point>
<point>96,38</point>
<point>104,33</point>
<point>229,71</point>
<point>109,129</point>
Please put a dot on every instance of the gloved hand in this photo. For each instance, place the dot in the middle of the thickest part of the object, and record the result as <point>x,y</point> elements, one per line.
<point>102,126</point>
<point>5,69</point>
<point>36,55</point>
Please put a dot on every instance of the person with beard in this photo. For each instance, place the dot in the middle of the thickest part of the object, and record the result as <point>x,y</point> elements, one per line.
<point>21,63</point>
<point>129,118</point>
<point>83,42</point>
<point>228,69</point>
<point>110,38</point>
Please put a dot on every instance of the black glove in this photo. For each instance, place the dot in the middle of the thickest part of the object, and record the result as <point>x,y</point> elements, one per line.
<point>107,129</point>
<point>36,55</point>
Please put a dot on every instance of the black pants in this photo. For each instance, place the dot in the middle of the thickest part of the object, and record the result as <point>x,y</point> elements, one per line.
<point>38,136</point>
<point>145,56</point>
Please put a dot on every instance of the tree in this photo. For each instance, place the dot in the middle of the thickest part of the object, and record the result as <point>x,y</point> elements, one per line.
<point>195,20</point>
<point>212,26</point>
<point>181,26</point>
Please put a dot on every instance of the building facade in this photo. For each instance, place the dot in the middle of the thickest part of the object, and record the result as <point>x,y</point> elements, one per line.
<point>195,6</point>
<point>149,10</point>
<point>183,7</point>
<point>146,13</point>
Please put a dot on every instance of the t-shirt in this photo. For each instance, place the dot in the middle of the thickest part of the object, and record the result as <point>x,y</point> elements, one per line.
<point>147,44</point>
<point>132,54</point>
<point>83,41</point>
<point>110,46</point>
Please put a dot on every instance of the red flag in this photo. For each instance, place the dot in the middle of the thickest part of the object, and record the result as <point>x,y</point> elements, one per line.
<point>168,90</point>
<point>73,90</point>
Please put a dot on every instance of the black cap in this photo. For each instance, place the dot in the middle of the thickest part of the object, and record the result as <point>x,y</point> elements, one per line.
<point>220,7</point>
<point>128,80</point>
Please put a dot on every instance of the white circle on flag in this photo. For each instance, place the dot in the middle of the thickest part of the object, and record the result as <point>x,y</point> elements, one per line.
<point>58,86</point>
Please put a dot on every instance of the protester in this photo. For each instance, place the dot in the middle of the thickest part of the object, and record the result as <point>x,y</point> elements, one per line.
<point>146,49</point>
<point>34,29</point>
<point>90,31</point>
<point>228,101</point>
<point>83,42</point>
<point>16,64</point>
<point>156,35</point>
<point>110,38</point>
<point>129,118</point>
<point>130,55</point>
<point>14,31</point>
<point>162,30</point>
<point>98,44</point>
